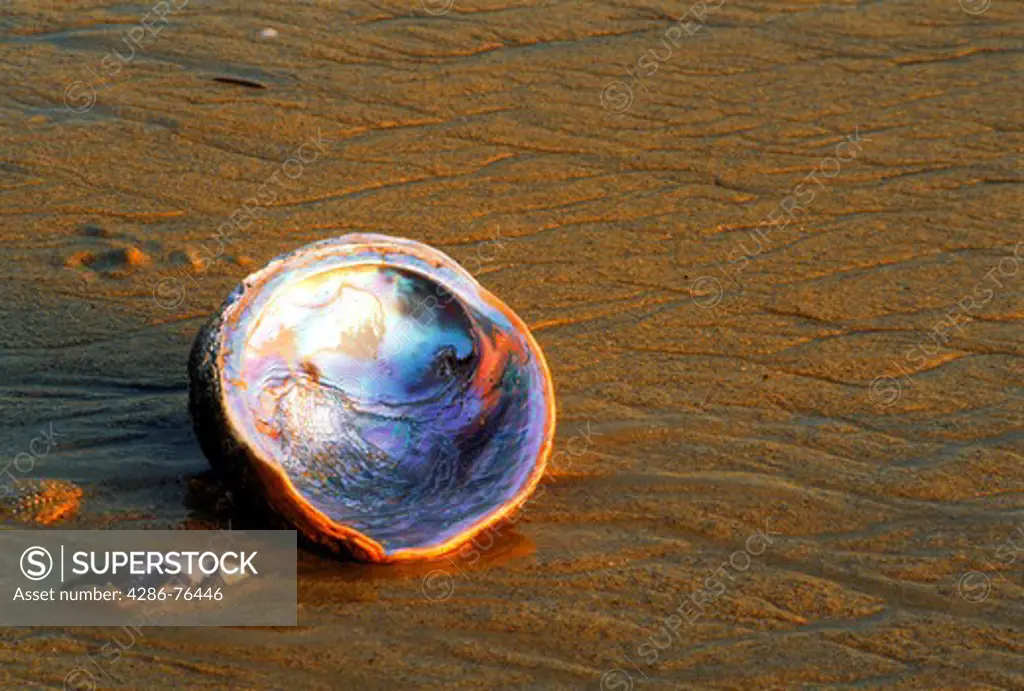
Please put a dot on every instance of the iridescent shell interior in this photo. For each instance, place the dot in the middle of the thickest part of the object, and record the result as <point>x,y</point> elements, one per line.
<point>399,397</point>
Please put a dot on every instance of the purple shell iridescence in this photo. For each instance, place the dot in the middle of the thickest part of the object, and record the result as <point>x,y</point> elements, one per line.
<point>400,398</point>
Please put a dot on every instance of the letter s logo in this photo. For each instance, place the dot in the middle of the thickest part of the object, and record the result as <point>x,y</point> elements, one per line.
<point>36,563</point>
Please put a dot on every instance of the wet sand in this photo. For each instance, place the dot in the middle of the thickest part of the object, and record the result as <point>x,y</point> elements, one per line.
<point>775,266</point>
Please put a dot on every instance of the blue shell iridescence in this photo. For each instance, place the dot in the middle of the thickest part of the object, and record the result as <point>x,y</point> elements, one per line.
<point>399,397</point>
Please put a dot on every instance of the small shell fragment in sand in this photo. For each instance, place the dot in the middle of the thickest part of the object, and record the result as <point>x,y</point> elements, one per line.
<point>240,82</point>
<point>134,257</point>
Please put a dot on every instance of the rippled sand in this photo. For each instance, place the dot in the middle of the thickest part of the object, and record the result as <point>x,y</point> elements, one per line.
<point>772,265</point>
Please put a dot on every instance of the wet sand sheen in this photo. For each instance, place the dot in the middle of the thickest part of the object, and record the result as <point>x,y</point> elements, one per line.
<point>772,267</point>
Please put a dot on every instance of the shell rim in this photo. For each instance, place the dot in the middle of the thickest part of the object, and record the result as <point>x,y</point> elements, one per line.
<point>373,549</point>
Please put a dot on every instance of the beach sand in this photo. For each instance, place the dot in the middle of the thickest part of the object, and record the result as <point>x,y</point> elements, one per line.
<point>775,267</point>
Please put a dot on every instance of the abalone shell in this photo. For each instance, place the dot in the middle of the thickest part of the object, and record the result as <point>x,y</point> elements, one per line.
<point>371,393</point>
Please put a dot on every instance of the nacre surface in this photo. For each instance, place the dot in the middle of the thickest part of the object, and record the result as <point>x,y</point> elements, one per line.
<point>372,393</point>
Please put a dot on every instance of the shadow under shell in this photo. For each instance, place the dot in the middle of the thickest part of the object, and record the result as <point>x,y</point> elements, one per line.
<point>398,397</point>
